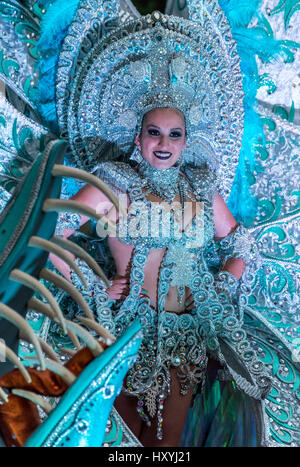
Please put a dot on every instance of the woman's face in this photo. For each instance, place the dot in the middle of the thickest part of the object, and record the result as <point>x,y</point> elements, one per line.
<point>162,138</point>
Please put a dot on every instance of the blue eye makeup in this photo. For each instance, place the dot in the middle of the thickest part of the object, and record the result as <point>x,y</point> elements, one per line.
<point>173,134</point>
<point>153,132</point>
<point>176,134</point>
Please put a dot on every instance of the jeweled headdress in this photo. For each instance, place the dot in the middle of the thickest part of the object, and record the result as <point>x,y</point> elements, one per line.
<point>110,74</point>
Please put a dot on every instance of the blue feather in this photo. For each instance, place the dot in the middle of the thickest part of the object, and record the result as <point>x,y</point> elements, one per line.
<point>251,42</point>
<point>241,12</point>
<point>57,19</point>
<point>54,27</point>
<point>256,41</point>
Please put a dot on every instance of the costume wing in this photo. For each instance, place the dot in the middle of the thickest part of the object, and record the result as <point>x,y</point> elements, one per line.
<point>31,183</point>
<point>272,176</point>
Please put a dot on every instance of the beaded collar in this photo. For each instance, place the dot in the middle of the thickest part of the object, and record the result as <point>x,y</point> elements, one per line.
<point>163,182</point>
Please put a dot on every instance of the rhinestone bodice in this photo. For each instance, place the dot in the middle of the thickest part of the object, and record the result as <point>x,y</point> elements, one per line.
<point>157,225</point>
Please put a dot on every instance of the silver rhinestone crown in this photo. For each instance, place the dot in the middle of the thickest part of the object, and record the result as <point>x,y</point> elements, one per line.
<point>108,78</point>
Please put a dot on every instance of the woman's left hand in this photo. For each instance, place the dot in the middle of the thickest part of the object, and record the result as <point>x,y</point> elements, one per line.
<point>119,289</point>
<point>189,301</point>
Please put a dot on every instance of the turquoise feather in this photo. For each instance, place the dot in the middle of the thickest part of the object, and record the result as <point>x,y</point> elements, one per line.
<point>240,13</point>
<point>289,7</point>
<point>251,42</point>
<point>54,27</point>
<point>58,18</point>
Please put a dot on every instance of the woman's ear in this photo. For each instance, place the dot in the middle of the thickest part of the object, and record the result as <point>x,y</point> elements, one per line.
<point>137,141</point>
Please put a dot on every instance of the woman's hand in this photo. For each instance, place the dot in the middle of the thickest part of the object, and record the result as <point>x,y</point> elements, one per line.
<point>119,289</point>
<point>189,301</point>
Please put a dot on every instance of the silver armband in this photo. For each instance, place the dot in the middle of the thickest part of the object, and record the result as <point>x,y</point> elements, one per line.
<point>240,244</point>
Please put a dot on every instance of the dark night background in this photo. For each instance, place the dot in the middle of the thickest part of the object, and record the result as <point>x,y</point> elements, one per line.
<point>148,6</point>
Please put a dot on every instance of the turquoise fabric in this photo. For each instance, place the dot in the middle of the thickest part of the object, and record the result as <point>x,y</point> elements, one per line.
<point>80,418</point>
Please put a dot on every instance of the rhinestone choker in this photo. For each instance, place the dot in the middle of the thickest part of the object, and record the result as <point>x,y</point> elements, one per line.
<point>162,182</point>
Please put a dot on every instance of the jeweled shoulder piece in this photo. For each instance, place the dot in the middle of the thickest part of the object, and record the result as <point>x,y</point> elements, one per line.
<point>117,72</point>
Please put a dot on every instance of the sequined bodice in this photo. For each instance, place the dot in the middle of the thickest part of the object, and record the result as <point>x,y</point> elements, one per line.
<point>151,225</point>
<point>158,224</point>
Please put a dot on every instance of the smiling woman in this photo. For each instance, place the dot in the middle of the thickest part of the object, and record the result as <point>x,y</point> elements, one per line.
<point>169,268</point>
<point>162,138</point>
<point>174,104</point>
<point>170,85</point>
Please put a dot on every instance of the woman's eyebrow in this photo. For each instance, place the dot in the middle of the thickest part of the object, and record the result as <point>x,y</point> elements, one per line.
<point>158,127</point>
<point>151,124</point>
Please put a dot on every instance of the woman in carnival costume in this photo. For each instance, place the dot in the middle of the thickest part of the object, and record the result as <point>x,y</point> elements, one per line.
<point>154,107</point>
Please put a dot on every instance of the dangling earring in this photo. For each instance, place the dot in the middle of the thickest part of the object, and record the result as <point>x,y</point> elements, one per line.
<point>137,155</point>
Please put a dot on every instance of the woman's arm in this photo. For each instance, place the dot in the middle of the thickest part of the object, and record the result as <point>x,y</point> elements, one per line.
<point>225,224</point>
<point>93,198</point>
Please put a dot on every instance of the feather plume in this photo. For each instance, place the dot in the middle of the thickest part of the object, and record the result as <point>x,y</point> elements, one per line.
<point>253,41</point>
<point>54,27</point>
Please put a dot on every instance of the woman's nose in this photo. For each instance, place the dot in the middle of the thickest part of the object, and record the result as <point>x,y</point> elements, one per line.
<point>163,141</point>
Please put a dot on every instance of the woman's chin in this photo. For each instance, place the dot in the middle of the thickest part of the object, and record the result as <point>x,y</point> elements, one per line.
<point>162,164</point>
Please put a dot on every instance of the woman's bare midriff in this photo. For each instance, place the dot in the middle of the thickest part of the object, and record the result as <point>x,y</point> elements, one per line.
<point>122,254</point>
